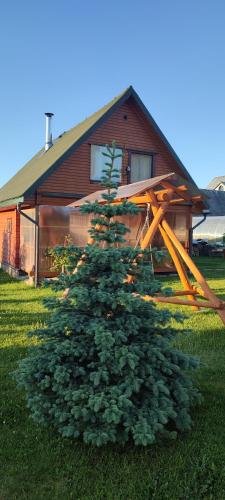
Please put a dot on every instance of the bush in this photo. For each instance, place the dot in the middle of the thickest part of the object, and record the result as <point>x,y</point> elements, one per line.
<point>64,257</point>
<point>106,370</point>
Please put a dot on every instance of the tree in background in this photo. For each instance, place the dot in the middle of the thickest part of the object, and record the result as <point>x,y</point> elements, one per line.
<point>106,370</point>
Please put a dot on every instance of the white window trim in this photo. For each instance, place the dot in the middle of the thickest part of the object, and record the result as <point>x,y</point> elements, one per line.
<point>141,153</point>
<point>93,176</point>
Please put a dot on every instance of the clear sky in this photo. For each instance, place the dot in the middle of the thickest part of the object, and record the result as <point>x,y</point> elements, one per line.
<point>71,56</point>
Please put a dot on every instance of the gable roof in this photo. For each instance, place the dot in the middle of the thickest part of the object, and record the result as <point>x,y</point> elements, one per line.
<point>215,201</point>
<point>216,181</point>
<point>44,163</point>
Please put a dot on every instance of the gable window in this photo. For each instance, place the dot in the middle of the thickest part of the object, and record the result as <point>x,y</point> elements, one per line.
<point>140,167</point>
<point>98,161</point>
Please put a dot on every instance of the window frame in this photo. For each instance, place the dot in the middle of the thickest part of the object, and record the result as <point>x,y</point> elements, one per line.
<point>98,181</point>
<point>141,152</point>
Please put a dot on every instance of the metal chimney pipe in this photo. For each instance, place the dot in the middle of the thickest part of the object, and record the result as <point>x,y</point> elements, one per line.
<point>48,133</point>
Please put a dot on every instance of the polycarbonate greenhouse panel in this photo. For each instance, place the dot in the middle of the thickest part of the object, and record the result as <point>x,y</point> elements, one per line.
<point>53,229</point>
<point>56,223</point>
<point>27,241</point>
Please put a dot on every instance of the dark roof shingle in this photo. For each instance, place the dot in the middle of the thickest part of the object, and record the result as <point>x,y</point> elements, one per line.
<point>215,201</point>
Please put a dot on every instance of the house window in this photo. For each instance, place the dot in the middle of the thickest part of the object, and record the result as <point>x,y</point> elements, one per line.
<point>140,167</point>
<point>98,161</point>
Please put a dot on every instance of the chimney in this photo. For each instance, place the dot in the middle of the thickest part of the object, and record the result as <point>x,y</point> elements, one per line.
<point>48,133</point>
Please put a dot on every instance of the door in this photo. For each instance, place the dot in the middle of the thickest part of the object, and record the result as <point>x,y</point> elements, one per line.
<point>140,167</point>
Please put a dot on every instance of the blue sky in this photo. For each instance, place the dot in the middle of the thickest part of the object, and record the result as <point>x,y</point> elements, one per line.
<point>71,57</point>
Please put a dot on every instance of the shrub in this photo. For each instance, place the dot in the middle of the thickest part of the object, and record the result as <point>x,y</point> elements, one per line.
<point>64,257</point>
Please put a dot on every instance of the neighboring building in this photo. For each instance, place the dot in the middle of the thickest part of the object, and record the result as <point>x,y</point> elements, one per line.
<point>215,201</point>
<point>217,183</point>
<point>70,167</point>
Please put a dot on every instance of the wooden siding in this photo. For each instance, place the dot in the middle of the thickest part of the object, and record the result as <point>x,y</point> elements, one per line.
<point>130,129</point>
<point>9,238</point>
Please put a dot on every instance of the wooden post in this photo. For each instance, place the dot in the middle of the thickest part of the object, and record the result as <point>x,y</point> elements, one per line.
<point>208,293</point>
<point>147,240</point>
<point>181,271</point>
<point>181,302</point>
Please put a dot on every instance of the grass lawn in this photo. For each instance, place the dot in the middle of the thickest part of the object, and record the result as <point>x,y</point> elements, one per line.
<point>36,463</point>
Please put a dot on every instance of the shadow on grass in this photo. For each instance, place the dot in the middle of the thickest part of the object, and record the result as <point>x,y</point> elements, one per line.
<point>201,339</point>
<point>31,452</point>
<point>19,301</point>
<point>11,321</point>
<point>6,278</point>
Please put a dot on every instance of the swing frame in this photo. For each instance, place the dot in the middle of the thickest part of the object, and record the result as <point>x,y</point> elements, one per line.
<point>160,194</point>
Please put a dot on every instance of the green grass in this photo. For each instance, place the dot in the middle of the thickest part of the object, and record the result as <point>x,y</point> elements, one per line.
<point>36,463</point>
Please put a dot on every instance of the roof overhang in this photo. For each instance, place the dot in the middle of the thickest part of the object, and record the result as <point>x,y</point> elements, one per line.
<point>12,201</point>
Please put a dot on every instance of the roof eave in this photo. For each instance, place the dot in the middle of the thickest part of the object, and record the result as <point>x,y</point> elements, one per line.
<point>12,201</point>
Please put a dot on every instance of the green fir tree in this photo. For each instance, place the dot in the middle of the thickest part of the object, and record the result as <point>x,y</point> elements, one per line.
<point>106,369</point>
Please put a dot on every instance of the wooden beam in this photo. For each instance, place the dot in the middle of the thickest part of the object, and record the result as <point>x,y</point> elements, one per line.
<point>183,292</point>
<point>178,190</point>
<point>163,195</point>
<point>181,271</point>
<point>178,201</point>
<point>142,199</point>
<point>189,262</point>
<point>148,238</point>
<point>182,302</point>
<point>208,293</point>
<point>199,291</point>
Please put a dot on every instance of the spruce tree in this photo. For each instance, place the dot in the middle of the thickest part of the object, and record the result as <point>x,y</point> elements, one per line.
<point>105,369</point>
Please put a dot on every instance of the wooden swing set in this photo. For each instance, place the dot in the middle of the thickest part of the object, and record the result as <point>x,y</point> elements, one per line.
<point>160,194</point>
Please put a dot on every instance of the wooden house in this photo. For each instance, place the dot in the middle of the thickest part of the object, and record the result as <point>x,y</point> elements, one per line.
<point>69,168</point>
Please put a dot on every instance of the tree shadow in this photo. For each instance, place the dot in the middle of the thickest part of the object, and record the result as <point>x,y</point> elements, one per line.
<point>9,322</point>
<point>19,301</point>
<point>6,278</point>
